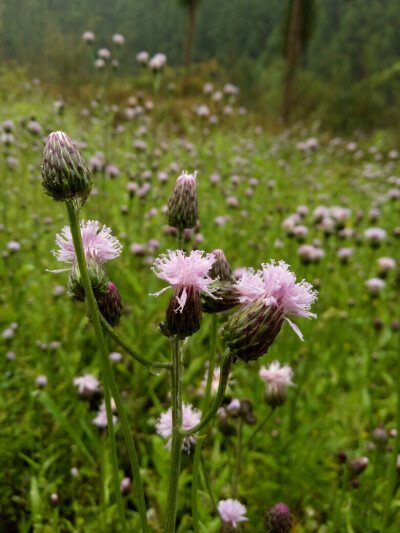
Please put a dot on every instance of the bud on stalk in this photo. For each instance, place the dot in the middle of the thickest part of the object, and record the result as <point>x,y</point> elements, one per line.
<point>278,519</point>
<point>221,269</point>
<point>183,205</point>
<point>225,298</point>
<point>65,175</point>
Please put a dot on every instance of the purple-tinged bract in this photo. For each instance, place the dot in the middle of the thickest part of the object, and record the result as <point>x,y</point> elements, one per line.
<point>187,275</point>
<point>269,297</point>
<point>278,519</point>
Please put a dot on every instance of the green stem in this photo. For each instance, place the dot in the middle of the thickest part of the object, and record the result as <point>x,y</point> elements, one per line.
<point>180,239</point>
<point>223,381</point>
<point>109,380</point>
<point>177,439</point>
<point>259,427</point>
<point>207,483</point>
<point>238,457</point>
<point>142,360</point>
<point>199,443</point>
<point>340,502</point>
<point>392,475</point>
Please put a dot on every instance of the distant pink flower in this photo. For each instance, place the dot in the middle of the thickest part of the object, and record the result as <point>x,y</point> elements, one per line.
<point>98,243</point>
<point>375,235</point>
<point>190,418</point>
<point>232,512</point>
<point>87,384</point>
<point>184,272</point>
<point>277,376</point>
<point>101,418</point>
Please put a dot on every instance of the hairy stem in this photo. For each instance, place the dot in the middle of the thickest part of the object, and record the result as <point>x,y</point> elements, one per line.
<point>110,386</point>
<point>223,381</point>
<point>199,443</point>
<point>151,366</point>
<point>259,427</point>
<point>393,463</point>
<point>177,439</point>
<point>238,458</point>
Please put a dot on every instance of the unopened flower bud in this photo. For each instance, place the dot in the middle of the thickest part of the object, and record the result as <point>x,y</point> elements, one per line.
<point>246,412</point>
<point>125,486</point>
<point>183,322</point>
<point>65,175</point>
<point>252,329</point>
<point>342,457</point>
<point>98,279</point>
<point>380,437</point>
<point>275,396</point>
<point>183,205</point>
<point>278,519</point>
<point>110,305</point>
<point>357,466</point>
<point>221,269</point>
<point>225,298</point>
<point>54,499</point>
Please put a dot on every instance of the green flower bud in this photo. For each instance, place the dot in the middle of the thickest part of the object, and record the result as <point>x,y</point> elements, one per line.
<point>250,331</point>
<point>183,205</point>
<point>98,280</point>
<point>65,175</point>
<point>221,269</point>
<point>225,298</point>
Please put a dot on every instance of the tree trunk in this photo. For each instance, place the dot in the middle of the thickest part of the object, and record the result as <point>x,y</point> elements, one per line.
<point>294,46</point>
<point>190,33</point>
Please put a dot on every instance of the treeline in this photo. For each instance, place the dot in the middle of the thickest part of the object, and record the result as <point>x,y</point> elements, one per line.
<point>351,53</point>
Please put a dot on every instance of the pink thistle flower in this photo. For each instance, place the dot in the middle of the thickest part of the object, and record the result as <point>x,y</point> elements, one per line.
<point>249,286</point>
<point>190,418</point>
<point>97,243</point>
<point>278,379</point>
<point>87,385</point>
<point>277,287</point>
<point>184,272</point>
<point>276,375</point>
<point>232,512</point>
<point>101,418</point>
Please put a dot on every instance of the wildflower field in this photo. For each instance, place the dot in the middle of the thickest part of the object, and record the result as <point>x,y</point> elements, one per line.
<point>304,438</point>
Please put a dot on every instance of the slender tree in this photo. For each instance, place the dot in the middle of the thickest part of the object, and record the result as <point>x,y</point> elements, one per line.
<point>299,25</point>
<point>191,6</point>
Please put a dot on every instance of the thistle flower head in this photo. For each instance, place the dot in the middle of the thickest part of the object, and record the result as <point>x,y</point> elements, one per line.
<point>183,205</point>
<point>276,286</point>
<point>232,512</point>
<point>97,243</point>
<point>278,519</point>
<point>276,375</point>
<point>65,175</point>
<point>184,272</point>
<point>190,418</point>
<point>87,385</point>
<point>278,379</point>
